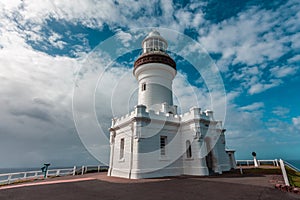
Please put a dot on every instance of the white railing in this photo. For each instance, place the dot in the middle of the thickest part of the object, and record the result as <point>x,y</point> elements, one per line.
<point>291,166</point>
<point>274,162</point>
<point>284,174</point>
<point>8,178</point>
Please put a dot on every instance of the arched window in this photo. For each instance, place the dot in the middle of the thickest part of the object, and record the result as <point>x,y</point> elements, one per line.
<point>188,149</point>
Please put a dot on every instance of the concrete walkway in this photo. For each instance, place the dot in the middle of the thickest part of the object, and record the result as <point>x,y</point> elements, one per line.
<point>99,186</point>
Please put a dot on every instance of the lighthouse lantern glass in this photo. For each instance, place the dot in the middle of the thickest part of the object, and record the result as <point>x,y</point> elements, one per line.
<point>154,44</point>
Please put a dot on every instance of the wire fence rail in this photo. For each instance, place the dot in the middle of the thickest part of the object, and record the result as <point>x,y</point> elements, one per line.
<point>291,166</point>
<point>277,163</point>
<point>274,162</point>
<point>8,178</point>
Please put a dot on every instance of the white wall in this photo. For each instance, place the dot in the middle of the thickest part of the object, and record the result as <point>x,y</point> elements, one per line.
<point>158,78</point>
<point>143,130</point>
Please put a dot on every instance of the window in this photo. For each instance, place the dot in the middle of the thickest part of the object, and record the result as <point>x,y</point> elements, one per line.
<point>143,86</point>
<point>163,143</point>
<point>188,149</point>
<point>156,45</point>
<point>122,148</point>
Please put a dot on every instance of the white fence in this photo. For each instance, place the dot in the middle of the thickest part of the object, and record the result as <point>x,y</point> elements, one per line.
<point>274,162</point>
<point>291,166</point>
<point>31,175</point>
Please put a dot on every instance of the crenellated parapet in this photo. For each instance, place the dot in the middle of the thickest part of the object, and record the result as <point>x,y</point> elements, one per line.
<point>140,113</point>
<point>166,115</point>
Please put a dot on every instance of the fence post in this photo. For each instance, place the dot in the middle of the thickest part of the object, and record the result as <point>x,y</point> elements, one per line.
<point>99,168</point>
<point>276,161</point>
<point>255,161</point>
<point>82,170</point>
<point>241,169</point>
<point>25,174</point>
<point>57,172</point>
<point>9,179</point>
<point>284,174</point>
<point>74,170</point>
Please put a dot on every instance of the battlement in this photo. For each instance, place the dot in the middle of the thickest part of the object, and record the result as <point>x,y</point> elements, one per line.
<point>166,113</point>
<point>197,113</point>
<point>140,111</point>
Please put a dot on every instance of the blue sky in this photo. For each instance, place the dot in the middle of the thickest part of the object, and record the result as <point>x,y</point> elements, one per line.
<point>44,45</point>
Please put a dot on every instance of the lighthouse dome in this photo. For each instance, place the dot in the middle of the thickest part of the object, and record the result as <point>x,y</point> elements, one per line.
<point>154,33</point>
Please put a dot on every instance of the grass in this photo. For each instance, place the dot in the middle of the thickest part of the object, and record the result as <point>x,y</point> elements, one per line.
<point>294,177</point>
<point>254,172</point>
<point>258,171</point>
<point>262,171</point>
<point>16,182</point>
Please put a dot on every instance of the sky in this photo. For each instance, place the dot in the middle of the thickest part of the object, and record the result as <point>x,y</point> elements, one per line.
<point>66,70</point>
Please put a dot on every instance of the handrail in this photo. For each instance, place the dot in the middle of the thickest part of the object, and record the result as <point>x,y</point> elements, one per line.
<point>291,166</point>
<point>260,162</point>
<point>284,174</point>
<point>15,173</point>
<point>25,175</point>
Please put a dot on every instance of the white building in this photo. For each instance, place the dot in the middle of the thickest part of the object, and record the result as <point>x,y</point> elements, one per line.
<point>154,140</point>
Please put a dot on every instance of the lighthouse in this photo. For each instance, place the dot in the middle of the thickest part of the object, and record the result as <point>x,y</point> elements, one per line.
<point>155,71</point>
<point>154,140</point>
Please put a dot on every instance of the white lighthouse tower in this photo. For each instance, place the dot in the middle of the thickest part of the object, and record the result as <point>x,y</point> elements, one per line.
<point>154,140</point>
<point>155,71</point>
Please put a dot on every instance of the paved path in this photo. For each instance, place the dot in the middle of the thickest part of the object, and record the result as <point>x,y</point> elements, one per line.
<point>98,186</point>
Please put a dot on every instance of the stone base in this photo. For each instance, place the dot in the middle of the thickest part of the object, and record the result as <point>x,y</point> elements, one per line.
<point>150,173</point>
<point>196,171</point>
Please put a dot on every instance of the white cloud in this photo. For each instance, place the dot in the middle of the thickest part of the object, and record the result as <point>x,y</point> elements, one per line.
<point>254,38</point>
<point>296,121</point>
<point>281,111</point>
<point>251,79</point>
<point>239,38</point>
<point>124,37</point>
<point>55,41</point>
<point>295,38</point>
<point>280,72</point>
<point>36,107</point>
<point>296,58</point>
<point>260,87</point>
<point>189,19</point>
<point>253,107</point>
<point>36,89</point>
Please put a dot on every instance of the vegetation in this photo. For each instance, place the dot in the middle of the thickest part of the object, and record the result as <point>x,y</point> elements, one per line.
<point>262,171</point>
<point>258,171</point>
<point>294,177</point>
<point>253,171</point>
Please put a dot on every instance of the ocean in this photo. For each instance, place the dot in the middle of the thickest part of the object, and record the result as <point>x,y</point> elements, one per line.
<point>12,170</point>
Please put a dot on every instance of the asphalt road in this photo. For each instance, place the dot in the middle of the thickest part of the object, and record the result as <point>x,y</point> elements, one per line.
<point>173,188</point>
